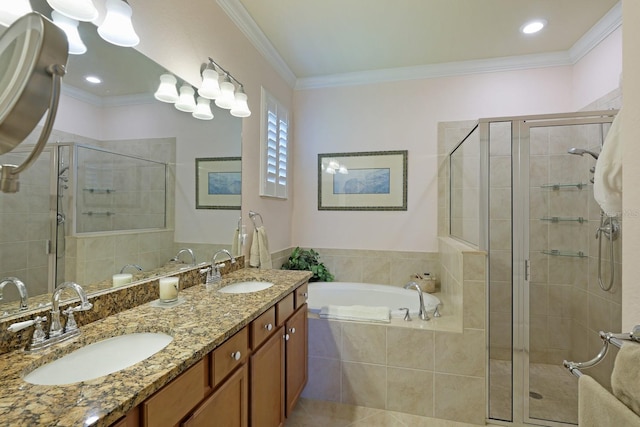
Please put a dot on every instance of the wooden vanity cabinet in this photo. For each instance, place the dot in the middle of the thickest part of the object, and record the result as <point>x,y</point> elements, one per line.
<point>278,367</point>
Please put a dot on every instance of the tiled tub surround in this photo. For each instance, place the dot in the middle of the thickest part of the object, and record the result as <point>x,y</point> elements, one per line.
<point>203,321</point>
<point>433,369</point>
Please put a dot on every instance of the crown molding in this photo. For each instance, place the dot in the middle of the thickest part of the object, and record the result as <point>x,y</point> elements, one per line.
<point>601,30</point>
<point>106,101</point>
<point>239,15</point>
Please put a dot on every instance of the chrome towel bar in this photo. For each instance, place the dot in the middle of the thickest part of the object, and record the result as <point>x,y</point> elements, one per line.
<point>607,338</point>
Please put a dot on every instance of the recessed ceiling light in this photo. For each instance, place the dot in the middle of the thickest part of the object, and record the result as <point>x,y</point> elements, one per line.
<point>533,26</point>
<point>93,79</point>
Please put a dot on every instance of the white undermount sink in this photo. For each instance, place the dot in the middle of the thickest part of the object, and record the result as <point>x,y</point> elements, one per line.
<point>245,287</point>
<point>99,359</point>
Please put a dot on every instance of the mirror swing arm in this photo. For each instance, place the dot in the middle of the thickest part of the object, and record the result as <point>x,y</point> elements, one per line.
<point>9,174</point>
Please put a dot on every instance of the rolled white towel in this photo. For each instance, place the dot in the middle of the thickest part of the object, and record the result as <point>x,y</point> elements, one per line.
<point>607,185</point>
<point>356,312</point>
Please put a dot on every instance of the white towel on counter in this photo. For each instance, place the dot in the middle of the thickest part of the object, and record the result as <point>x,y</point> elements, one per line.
<point>356,312</point>
<point>599,408</point>
<point>259,256</point>
<point>607,185</point>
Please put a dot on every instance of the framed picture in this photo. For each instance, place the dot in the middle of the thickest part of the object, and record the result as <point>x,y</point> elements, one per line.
<point>369,181</point>
<point>218,183</point>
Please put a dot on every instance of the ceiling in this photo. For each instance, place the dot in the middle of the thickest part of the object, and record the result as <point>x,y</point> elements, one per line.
<point>315,39</point>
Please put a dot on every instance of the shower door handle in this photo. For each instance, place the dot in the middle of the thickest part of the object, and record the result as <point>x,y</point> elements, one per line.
<point>526,269</point>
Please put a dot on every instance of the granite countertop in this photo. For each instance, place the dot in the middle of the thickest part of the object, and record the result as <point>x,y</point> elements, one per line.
<point>203,321</point>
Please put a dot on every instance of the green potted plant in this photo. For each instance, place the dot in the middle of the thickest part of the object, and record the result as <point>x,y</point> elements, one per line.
<point>308,259</point>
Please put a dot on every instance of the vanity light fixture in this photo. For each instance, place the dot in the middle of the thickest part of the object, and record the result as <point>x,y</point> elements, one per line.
<point>203,109</point>
<point>80,10</point>
<point>70,28</point>
<point>210,88</point>
<point>167,91</point>
<point>186,102</point>
<point>12,10</point>
<point>334,167</point>
<point>117,28</point>
<point>533,26</point>
<point>240,107</point>
<point>227,97</point>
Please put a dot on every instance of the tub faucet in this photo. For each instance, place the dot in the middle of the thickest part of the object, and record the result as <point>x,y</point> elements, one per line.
<point>22,290</point>
<point>423,312</point>
<point>185,250</point>
<point>71,328</point>
<point>136,266</point>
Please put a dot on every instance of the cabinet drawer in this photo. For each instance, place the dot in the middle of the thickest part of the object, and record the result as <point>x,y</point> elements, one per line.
<point>226,358</point>
<point>172,403</point>
<point>285,308</point>
<point>301,295</point>
<point>263,327</point>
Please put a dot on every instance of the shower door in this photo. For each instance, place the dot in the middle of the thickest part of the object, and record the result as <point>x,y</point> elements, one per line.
<point>545,304</point>
<point>555,271</point>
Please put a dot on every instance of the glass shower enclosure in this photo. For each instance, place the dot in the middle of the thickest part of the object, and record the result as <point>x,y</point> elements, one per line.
<point>522,189</point>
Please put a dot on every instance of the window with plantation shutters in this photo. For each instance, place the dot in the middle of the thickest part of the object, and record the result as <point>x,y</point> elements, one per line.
<point>273,147</point>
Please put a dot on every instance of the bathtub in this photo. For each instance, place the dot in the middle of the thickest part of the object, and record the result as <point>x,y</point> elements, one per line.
<point>346,293</point>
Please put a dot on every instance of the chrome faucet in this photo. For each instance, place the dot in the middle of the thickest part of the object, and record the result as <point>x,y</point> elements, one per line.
<point>423,312</point>
<point>185,250</point>
<point>213,273</point>
<point>71,328</point>
<point>22,290</point>
<point>136,266</point>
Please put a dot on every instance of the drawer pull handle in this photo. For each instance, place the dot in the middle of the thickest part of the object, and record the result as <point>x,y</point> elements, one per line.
<point>236,355</point>
<point>292,330</point>
<point>286,337</point>
<point>268,326</point>
<point>304,294</point>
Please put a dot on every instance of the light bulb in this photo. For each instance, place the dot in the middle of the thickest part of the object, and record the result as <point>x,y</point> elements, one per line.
<point>117,27</point>
<point>10,11</point>
<point>210,88</point>
<point>240,106</point>
<point>167,91</point>
<point>226,99</point>
<point>203,109</point>
<point>186,102</point>
<point>80,10</point>
<point>70,28</point>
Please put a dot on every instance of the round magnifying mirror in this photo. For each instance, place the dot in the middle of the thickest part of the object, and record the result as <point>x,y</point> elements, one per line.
<point>28,48</point>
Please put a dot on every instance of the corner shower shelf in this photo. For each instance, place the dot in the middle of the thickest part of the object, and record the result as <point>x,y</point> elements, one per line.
<point>579,186</point>
<point>555,252</point>
<point>99,190</point>
<point>91,213</point>
<point>563,219</point>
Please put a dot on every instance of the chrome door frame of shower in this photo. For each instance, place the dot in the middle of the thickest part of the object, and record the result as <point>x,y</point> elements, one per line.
<point>520,131</point>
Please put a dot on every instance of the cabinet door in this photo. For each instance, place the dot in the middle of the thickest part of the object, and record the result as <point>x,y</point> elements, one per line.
<point>228,406</point>
<point>296,357</point>
<point>267,383</point>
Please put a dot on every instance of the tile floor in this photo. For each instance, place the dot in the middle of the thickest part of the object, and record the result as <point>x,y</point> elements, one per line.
<point>320,413</point>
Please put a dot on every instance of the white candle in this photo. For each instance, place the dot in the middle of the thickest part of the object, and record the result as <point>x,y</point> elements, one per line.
<point>121,279</point>
<point>169,288</point>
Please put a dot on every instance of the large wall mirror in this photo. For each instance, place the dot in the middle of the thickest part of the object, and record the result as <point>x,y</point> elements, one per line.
<point>116,184</point>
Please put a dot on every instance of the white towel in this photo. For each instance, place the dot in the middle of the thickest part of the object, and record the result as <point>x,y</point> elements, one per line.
<point>355,312</point>
<point>599,408</point>
<point>607,186</point>
<point>259,255</point>
<point>625,378</point>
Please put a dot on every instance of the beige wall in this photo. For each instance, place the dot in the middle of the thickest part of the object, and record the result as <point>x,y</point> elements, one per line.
<point>631,175</point>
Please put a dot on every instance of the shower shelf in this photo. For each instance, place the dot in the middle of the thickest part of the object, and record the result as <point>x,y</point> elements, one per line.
<point>563,219</point>
<point>555,252</point>
<point>579,186</point>
<point>91,213</point>
<point>99,190</point>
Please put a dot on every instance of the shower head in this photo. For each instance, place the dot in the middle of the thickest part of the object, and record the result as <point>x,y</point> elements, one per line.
<point>581,151</point>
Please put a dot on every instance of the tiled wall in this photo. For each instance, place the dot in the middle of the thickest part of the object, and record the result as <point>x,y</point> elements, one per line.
<point>24,226</point>
<point>436,372</point>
